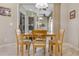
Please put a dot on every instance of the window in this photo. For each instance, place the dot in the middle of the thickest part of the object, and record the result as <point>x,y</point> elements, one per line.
<point>31,23</point>
<point>22,22</point>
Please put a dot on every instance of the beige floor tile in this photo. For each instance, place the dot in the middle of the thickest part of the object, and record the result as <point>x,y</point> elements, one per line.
<point>10,50</point>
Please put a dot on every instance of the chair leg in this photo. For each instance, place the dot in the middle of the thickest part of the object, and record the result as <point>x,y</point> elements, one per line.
<point>17,49</point>
<point>44,50</point>
<point>22,51</point>
<point>49,49</point>
<point>28,50</point>
<point>33,50</point>
<point>53,51</point>
<point>61,50</point>
<point>26,47</point>
<point>56,49</point>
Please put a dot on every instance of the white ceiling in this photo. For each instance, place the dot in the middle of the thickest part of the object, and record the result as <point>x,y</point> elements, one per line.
<point>31,7</point>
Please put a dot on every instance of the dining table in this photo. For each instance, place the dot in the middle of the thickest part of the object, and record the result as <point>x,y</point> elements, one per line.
<point>30,35</point>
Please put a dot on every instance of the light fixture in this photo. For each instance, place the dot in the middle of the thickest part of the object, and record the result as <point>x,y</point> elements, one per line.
<point>42,8</point>
<point>41,5</point>
<point>40,18</point>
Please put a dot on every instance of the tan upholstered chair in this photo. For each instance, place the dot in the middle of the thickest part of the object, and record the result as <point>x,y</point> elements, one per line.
<point>56,44</point>
<point>21,42</point>
<point>60,41</point>
<point>39,39</point>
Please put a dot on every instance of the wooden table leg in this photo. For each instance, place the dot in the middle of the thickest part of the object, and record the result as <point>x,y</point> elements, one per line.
<point>22,51</point>
<point>29,49</point>
<point>28,46</point>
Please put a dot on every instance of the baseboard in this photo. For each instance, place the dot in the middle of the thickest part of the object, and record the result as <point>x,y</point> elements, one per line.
<point>74,47</point>
<point>3,45</point>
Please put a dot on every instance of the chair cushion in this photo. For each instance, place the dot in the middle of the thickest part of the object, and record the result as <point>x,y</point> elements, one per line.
<point>27,40</point>
<point>39,43</point>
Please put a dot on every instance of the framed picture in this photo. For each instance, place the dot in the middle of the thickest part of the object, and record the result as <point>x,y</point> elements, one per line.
<point>72,14</point>
<point>5,11</point>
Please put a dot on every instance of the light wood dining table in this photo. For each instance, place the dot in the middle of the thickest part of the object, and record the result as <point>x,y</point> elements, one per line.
<point>31,35</point>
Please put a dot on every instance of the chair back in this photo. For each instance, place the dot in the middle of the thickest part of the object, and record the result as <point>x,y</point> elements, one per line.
<point>20,36</point>
<point>62,34</point>
<point>40,33</point>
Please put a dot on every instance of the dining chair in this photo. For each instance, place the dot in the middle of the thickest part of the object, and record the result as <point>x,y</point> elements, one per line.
<point>39,40</point>
<point>56,44</point>
<point>21,41</point>
<point>60,41</point>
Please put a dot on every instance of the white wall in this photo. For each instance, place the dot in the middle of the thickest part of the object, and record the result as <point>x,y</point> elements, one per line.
<point>7,31</point>
<point>64,20</point>
<point>56,17</point>
<point>71,26</point>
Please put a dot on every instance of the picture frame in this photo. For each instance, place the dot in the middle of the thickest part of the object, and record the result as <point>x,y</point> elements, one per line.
<point>72,14</point>
<point>5,11</point>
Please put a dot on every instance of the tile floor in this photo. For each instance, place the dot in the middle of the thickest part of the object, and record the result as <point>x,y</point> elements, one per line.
<point>10,50</point>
